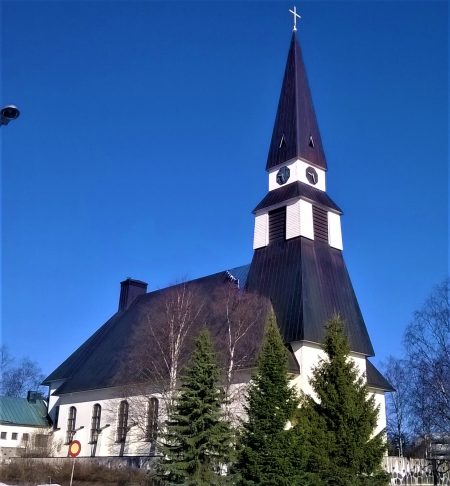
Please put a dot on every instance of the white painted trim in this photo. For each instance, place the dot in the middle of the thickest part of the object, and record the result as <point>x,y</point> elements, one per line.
<point>306,219</point>
<point>334,231</point>
<point>261,232</point>
<point>293,220</point>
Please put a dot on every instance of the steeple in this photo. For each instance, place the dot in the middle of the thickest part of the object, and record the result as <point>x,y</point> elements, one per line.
<point>295,133</point>
<point>298,262</point>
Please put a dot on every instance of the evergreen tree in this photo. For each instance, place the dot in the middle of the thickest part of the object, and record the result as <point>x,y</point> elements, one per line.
<point>268,452</point>
<point>339,427</point>
<point>197,440</point>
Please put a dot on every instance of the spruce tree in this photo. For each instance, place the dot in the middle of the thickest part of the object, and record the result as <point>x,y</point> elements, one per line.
<point>197,440</point>
<point>339,426</point>
<point>268,452</point>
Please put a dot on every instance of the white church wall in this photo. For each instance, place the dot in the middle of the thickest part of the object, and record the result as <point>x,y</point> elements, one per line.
<point>380,401</point>
<point>109,399</point>
<point>308,356</point>
<point>261,233</point>
<point>297,173</point>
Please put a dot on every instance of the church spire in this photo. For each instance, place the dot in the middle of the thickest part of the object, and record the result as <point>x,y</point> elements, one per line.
<point>295,133</point>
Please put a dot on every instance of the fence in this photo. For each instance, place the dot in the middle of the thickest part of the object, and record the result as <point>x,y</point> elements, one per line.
<point>413,471</point>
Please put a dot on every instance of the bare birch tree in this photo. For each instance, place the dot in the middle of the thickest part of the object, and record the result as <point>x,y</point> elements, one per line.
<point>397,403</point>
<point>427,341</point>
<point>19,377</point>
<point>158,353</point>
<point>239,318</point>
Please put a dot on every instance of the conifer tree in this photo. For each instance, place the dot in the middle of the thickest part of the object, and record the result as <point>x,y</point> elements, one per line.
<point>339,426</point>
<point>268,452</point>
<point>197,440</point>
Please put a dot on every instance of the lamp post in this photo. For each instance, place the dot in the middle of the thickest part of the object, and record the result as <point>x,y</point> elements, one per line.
<point>8,113</point>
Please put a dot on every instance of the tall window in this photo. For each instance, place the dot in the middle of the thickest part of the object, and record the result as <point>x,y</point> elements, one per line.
<point>122,421</point>
<point>55,421</point>
<point>152,419</point>
<point>71,424</point>
<point>95,422</point>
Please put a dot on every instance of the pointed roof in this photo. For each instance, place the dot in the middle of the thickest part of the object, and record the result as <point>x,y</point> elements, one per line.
<point>295,133</point>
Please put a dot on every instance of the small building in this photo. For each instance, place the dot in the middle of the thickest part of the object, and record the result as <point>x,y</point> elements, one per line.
<point>24,426</point>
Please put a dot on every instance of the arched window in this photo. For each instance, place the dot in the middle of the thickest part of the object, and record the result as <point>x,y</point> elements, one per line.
<point>71,421</point>
<point>152,419</point>
<point>122,421</point>
<point>95,422</point>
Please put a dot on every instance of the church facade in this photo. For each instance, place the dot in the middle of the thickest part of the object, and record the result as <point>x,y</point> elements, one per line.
<point>297,267</point>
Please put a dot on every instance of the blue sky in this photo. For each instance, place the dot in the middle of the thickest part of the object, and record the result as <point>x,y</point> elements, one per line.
<point>143,139</point>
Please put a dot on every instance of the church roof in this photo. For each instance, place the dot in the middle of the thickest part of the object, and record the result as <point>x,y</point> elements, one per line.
<point>307,282</point>
<point>295,190</point>
<point>375,379</point>
<point>296,132</point>
<point>102,361</point>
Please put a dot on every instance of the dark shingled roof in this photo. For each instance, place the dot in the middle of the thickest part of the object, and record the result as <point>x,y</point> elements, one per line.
<point>307,282</point>
<point>20,411</point>
<point>295,190</point>
<point>375,379</point>
<point>295,123</point>
<point>102,360</point>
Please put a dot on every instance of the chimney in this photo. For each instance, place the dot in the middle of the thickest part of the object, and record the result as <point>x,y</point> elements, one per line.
<point>33,396</point>
<point>129,290</point>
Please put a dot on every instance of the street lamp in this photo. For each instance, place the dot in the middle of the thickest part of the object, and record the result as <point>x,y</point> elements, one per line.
<point>8,113</point>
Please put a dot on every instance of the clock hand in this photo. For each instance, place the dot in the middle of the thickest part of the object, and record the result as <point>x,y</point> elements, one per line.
<point>312,175</point>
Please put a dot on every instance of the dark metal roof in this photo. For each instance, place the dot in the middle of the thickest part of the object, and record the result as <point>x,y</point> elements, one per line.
<point>307,282</point>
<point>296,132</point>
<point>375,379</point>
<point>102,361</point>
<point>294,190</point>
<point>19,411</point>
<point>240,274</point>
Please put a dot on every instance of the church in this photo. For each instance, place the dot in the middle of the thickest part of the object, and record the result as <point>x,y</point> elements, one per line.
<point>297,269</point>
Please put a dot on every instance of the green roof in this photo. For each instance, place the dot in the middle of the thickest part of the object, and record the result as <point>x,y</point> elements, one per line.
<point>20,411</point>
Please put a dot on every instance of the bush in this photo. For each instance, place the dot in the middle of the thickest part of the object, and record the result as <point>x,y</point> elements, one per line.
<point>28,472</point>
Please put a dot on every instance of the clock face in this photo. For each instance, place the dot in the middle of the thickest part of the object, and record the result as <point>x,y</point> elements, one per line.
<point>283,175</point>
<point>311,175</point>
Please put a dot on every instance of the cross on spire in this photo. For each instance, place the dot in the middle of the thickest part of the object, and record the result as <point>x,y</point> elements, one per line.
<point>296,16</point>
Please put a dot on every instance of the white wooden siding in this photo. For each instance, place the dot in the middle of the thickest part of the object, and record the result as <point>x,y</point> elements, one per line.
<point>293,220</point>
<point>334,230</point>
<point>306,219</point>
<point>260,236</point>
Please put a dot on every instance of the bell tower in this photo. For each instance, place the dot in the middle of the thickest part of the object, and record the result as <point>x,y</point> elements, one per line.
<point>297,260</point>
